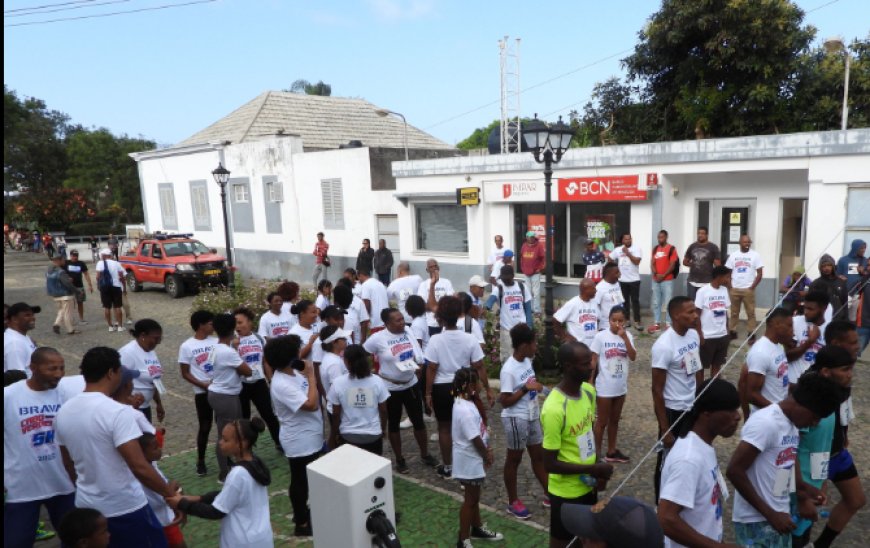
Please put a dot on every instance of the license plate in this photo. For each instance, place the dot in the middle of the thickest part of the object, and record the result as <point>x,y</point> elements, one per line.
<point>212,272</point>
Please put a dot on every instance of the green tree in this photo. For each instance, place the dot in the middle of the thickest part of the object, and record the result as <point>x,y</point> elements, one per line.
<point>304,86</point>
<point>719,67</point>
<point>100,165</point>
<point>479,138</point>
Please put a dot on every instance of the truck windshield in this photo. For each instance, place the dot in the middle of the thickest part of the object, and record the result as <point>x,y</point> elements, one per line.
<point>180,249</point>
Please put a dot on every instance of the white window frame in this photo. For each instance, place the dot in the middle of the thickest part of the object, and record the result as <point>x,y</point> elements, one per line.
<point>243,197</point>
<point>167,205</point>
<point>199,205</point>
<point>332,196</point>
<point>276,191</point>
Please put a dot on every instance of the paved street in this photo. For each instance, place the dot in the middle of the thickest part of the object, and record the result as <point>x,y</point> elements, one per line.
<point>23,281</point>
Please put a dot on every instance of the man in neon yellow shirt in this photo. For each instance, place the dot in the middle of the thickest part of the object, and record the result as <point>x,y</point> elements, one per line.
<point>569,446</point>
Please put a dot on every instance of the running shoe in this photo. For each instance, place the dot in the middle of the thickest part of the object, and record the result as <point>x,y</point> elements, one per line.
<point>405,424</point>
<point>129,321</point>
<point>518,510</point>
<point>111,329</point>
<point>654,328</point>
<point>303,530</point>
<point>464,543</point>
<point>56,329</point>
<point>616,456</point>
<point>446,472</point>
<point>402,466</point>
<point>434,437</point>
<point>201,469</point>
<point>429,460</point>
<point>484,533</point>
<point>83,322</point>
<point>43,534</point>
<point>545,502</point>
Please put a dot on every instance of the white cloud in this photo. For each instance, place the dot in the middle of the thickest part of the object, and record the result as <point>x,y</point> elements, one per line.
<point>396,10</point>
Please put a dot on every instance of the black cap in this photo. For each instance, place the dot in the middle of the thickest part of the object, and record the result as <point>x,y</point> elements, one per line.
<point>622,521</point>
<point>332,311</point>
<point>18,308</point>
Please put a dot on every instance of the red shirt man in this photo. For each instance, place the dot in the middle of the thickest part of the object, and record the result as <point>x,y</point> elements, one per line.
<point>321,248</point>
<point>532,256</point>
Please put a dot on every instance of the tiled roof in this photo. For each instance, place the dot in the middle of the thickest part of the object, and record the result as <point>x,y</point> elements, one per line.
<point>322,122</point>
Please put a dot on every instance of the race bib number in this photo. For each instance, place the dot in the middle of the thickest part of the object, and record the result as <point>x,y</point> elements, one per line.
<point>692,361</point>
<point>158,385</point>
<point>819,465</point>
<point>256,372</point>
<point>405,361</point>
<point>617,367</point>
<point>846,412</point>
<point>782,482</point>
<point>361,398</point>
<point>586,444</point>
<point>723,487</point>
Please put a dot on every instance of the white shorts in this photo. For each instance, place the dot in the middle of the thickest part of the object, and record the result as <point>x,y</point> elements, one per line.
<point>521,433</point>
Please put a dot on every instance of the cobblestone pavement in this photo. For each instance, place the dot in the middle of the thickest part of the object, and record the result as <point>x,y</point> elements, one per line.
<point>23,281</point>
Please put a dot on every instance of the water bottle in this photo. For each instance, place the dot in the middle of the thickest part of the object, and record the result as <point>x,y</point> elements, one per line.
<point>824,513</point>
<point>588,480</point>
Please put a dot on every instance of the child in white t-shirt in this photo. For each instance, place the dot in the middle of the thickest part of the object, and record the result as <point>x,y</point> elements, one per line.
<point>472,454</point>
<point>612,350</point>
<point>167,517</point>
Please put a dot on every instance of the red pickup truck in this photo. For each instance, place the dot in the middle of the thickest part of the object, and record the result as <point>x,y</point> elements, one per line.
<point>178,262</point>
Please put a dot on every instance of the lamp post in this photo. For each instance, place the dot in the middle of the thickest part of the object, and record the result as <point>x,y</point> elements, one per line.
<point>382,112</point>
<point>547,144</point>
<point>221,177</point>
<point>836,45</point>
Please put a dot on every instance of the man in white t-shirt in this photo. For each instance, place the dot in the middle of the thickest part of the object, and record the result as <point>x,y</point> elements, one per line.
<point>767,381</point>
<point>762,467</point>
<point>507,259</point>
<point>194,359</point>
<point>33,472</point>
<point>374,295</point>
<point>521,416</point>
<point>627,257</point>
<point>514,307</point>
<point>432,289</point>
<point>746,271</point>
<point>497,252</point>
<point>608,293</point>
<point>111,296</point>
<point>713,302</point>
<point>476,287</point>
<point>403,286</point>
<point>676,372</point>
<point>101,437</point>
<point>809,330</point>
<point>693,489</point>
<point>577,320</point>
<point>17,344</point>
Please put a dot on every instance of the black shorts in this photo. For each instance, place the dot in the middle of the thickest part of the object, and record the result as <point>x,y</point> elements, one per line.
<point>557,530</point>
<point>714,351</point>
<point>112,297</point>
<point>408,398</point>
<point>442,401</point>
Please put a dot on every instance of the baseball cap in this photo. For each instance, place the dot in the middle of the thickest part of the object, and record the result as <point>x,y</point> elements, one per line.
<point>622,521</point>
<point>338,334</point>
<point>332,311</point>
<point>478,281</point>
<point>508,253</point>
<point>74,252</point>
<point>588,241</point>
<point>531,233</point>
<point>127,375</point>
<point>18,308</point>
<point>105,251</point>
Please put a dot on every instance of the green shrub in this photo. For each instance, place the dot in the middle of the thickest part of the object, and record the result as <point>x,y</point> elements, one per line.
<point>248,293</point>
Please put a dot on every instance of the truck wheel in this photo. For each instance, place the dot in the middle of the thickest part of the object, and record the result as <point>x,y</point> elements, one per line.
<point>174,286</point>
<point>132,283</point>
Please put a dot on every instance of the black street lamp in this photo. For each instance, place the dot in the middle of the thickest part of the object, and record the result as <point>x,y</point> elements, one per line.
<point>547,144</point>
<point>221,177</point>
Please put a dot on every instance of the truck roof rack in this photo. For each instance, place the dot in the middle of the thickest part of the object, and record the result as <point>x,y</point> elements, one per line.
<point>162,236</point>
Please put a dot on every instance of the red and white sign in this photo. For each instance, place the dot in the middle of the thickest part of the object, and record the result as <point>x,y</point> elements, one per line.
<point>514,191</point>
<point>650,182</point>
<point>600,189</point>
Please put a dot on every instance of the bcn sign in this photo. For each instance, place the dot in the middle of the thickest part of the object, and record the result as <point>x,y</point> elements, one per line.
<point>600,189</point>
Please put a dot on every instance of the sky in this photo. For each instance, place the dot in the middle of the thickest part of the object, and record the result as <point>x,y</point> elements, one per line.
<point>165,74</point>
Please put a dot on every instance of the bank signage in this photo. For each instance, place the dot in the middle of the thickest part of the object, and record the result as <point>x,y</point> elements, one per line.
<point>514,191</point>
<point>600,189</point>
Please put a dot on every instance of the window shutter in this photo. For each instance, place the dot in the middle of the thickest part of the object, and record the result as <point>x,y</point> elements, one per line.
<point>333,204</point>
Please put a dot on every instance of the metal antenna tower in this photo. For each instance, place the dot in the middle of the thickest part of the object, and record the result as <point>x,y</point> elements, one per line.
<point>509,65</point>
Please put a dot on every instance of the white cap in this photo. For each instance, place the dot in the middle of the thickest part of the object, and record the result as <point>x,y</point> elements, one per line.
<point>105,251</point>
<point>478,281</point>
<point>339,334</point>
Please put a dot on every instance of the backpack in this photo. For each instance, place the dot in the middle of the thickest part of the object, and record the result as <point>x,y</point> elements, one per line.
<point>468,323</point>
<point>104,277</point>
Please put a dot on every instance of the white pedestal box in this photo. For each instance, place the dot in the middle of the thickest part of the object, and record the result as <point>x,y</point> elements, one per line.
<point>345,486</point>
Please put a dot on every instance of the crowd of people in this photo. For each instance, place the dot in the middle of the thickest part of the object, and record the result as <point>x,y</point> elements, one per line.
<point>369,351</point>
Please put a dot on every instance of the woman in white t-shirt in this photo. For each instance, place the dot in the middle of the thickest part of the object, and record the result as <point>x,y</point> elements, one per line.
<point>243,503</point>
<point>255,389</point>
<point>226,384</point>
<point>289,292</point>
<point>612,350</point>
<point>332,343</point>
<point>357,317</point>
<point>297,404</point>
<point>359,404</point>
<point>471,452</point>
<point>276,321</point>
<point>324,295</point>
<point>306,327</point>
<point>139,354</point>
<point>447,353</point>
<point>415,307</point>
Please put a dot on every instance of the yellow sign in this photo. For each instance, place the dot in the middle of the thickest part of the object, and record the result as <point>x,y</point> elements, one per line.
<point>467,196</point>
<point>735,218</point>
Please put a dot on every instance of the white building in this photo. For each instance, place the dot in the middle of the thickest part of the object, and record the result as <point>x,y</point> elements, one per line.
<point>292,176</point>
<point>797,196</point>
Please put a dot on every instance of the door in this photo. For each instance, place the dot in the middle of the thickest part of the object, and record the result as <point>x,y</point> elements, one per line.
<point>793,236</point>
<point>735,222</point>
<point>388,229</point>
